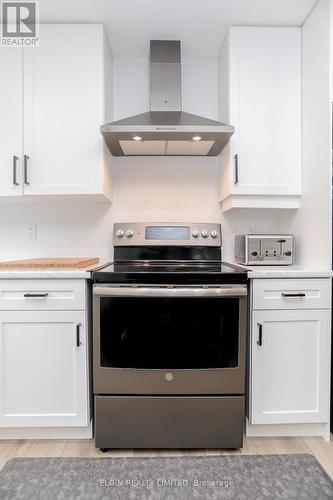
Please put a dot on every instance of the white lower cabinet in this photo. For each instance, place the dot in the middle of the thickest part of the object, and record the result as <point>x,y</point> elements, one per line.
<point>43,376</point>
<point>289,359</point>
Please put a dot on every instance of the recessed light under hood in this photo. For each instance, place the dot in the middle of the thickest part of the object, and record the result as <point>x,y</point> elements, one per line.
<point>166,130</point>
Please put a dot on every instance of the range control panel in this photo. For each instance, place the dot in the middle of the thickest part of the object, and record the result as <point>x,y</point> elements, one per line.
<point>168,234</point>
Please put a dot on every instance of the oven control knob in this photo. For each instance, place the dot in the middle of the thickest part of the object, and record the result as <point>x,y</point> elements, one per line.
<point>204,233</point>
<point>120,233</point>
<point>214,234</point>
<point>288,253</point>
<point>195,233</point>
<point>129,233</point>
<point>254,254</point>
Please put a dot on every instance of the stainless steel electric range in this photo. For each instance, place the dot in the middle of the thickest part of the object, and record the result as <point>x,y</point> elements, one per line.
<point>169,340</point>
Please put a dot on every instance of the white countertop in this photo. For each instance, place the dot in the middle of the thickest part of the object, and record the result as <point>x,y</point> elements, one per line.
<point>285,271</point>
<point>85,273</point>
<point>50,273</point>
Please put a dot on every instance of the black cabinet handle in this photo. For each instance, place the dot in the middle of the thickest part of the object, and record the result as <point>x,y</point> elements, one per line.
<point>78,340</point>
<point>236,169</point>
<point>259,341</point>
<point>26,158</point>
<point>15,160</point>
<point>286,295</point>
<point>33,295</point>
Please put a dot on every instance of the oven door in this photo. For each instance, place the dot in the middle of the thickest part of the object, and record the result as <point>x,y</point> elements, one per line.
<point>169,340</point>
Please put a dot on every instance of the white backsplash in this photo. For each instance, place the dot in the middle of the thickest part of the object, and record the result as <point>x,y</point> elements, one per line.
<point>144,189</point>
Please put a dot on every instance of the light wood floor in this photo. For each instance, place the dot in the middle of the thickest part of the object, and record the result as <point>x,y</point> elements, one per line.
<point>322,450</point>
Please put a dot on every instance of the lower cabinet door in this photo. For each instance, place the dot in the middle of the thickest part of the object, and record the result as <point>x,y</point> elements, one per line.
<point>290,366</point>
<point>43,376</point>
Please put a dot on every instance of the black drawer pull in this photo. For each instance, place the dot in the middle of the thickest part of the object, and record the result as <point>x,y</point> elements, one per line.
<point>286,295</point>
<point>259,341</point>
<point>36,295</point>
<point>78,340</point>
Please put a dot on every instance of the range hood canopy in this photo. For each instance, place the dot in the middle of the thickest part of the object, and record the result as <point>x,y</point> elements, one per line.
<point>166,130</point>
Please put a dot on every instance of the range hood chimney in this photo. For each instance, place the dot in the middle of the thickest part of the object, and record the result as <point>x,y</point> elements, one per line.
<point>165,76</point>
<point>166,130</point>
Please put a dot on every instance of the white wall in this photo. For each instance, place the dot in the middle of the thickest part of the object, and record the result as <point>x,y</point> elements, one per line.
<point>312,223</point>
<point>165,189</point>
<point>131,87</point>
<point>63,230</point>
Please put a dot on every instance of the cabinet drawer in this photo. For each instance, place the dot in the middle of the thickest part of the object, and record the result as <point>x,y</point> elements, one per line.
<point>42,295</point>
<point>291,293</point>
<point>169,422</point>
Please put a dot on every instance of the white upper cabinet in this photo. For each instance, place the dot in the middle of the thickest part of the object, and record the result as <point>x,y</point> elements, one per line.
<point>260,95</point>
<point>11,121</point>
<point>64,107</point>
<point>66,96</point>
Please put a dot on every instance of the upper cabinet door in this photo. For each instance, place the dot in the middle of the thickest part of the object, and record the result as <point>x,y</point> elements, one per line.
<point>64,107</point>
<point>11,121</point>
<point>264,105</point>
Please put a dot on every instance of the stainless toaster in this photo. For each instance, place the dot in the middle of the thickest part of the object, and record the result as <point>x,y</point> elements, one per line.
<point>265,249</point>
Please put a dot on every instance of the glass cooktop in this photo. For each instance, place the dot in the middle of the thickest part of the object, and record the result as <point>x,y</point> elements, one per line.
<point>171,272</point>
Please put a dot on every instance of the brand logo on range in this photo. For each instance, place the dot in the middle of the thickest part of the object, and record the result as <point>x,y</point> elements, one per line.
<point>19,24</point>
<point>169,377</point>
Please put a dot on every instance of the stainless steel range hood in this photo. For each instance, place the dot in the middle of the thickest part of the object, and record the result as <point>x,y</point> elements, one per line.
<point>166,130</point>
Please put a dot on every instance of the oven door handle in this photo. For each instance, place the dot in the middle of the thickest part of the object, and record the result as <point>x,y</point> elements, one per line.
<point>223,291</point>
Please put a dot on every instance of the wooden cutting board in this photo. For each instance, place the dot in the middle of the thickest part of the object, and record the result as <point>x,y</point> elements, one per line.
<point>74,262</point>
